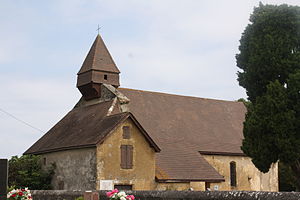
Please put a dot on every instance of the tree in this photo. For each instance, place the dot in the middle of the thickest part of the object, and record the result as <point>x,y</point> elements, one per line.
<point>27,171</point>
<point>269,48</point>
<point>286,178</point>
<point>269,60</point>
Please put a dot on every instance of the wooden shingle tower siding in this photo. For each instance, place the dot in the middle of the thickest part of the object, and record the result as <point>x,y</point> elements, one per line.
<point>97,68</point>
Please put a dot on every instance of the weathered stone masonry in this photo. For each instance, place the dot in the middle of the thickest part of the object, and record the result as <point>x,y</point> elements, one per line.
<point>174,195</point>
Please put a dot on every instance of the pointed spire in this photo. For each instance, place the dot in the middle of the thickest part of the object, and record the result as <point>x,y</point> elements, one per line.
<point>99,58</point>
<point>98,68</point>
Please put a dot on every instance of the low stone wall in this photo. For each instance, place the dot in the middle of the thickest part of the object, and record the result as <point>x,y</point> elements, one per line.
<point>173,195</point>
<point>55,194</point>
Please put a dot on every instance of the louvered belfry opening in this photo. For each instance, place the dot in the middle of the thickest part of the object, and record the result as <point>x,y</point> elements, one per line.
<point>98,68</point>
<point>126,156</point>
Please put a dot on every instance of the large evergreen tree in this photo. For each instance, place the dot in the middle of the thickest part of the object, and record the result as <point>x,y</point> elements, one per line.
<point>269,60</point>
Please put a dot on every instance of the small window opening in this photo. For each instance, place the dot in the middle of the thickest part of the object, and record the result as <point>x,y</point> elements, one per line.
<point>61,185</point>
<point>44,161</point>
<point>123,187</point>
<point>105,76</point>
<point>126,132</point>
<point>207,186</point>
<point>233,174</point>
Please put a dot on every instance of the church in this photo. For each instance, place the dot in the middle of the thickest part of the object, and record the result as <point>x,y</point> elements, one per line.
<point>130,139</point>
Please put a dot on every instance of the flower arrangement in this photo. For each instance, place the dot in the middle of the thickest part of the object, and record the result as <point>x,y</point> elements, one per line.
<point>19,194</point>
<point>116,195</point>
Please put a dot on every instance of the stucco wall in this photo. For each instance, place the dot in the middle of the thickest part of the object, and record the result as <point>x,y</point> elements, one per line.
<point>75,169</point>
<point>142,175</point>
<point>248,176</point>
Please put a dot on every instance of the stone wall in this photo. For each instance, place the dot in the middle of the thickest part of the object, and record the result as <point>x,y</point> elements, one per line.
<point>55,194</point>
<point>249,178</point>
<point>142,174</point>
<point>75,169</point>
<point>174,195</point>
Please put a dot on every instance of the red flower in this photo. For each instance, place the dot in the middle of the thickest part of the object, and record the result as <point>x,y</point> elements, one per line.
<point>109,194</point>
<point>23,190</point>
<point>20,193</point>
<point>13,195</point>
<point>130,197</point>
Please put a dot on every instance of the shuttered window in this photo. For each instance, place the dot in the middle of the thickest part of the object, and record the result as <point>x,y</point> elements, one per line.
<point>233,174</point>
<point>126,156</point>
<point>126,132</point>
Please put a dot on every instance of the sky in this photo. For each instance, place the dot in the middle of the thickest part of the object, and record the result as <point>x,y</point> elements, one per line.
<point>184,47</point>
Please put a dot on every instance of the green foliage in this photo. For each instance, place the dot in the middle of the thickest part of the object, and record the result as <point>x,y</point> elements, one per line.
<point>27,171</point>
<point>269,129</point>
<point>269,60</point>
<point>79,198</point>
<point>244,101</point>
<point>269,48</point>
<point>287,181</point>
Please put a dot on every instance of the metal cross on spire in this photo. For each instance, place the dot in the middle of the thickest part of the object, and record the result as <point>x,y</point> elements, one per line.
<point>98,29</point>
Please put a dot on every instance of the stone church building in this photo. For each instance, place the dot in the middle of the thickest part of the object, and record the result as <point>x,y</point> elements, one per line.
<point>140,140</point>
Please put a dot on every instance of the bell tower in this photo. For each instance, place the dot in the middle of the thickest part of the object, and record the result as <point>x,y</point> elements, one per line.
<point>98,68</point>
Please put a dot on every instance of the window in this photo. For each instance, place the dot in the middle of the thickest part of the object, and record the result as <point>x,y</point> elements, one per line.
<point>105,76</point>
<point>126,132</point>
<point>207,186</point>
<point>233,174</point>
<point>61,185</point>
<point>126,156</point>
<point>44,161</point>
<point>123,187</point>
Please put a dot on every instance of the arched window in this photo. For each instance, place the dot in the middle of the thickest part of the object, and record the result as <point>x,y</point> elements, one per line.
<point>233,174</point>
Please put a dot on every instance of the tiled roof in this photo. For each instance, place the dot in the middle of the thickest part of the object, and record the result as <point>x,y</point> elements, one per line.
<point>181,126</point>
<point>83,127</point>
<point>210,125</point>
<point>184,126</point>
<point>99,58</point>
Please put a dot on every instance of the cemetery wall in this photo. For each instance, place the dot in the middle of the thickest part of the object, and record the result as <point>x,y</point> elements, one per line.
<point>174,195</point>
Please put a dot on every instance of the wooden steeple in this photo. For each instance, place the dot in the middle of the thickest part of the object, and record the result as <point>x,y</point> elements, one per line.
<point>97,68</point>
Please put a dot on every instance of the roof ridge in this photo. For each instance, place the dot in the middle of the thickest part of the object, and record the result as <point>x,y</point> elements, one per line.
<point>93,55</point>
<point>163,93</point>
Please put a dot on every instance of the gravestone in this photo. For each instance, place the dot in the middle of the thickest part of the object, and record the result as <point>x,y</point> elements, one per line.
<point>3,178</point>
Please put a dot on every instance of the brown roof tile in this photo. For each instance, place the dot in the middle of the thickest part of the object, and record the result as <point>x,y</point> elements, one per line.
<point>83,127</point>
<point>181,162</point>
<point>183,126</point>
<point>210,125</point>
<point>99,58</point>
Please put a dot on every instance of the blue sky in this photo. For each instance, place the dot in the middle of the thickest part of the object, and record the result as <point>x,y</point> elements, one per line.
<point>180,47</point>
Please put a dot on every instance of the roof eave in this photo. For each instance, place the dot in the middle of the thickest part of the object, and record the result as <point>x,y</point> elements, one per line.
<point>59,149</point>
<point>143,131</point>
<point>211,180</point>
<point>221,153</point>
